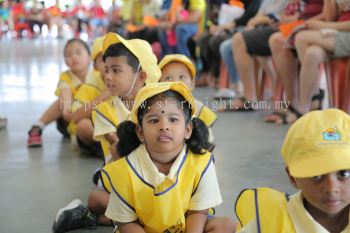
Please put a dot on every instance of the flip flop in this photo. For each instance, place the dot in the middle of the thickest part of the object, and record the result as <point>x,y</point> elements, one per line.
<point>279,115</point>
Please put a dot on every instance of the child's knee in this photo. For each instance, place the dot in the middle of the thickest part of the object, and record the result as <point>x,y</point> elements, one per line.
<point>314,54</point>
<point>276,41</point>
<point>98,200</point>
<point>300,39</point>
<point>84,128</point>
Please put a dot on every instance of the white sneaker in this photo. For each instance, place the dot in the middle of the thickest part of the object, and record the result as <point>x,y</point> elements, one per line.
<point>73,216</point>
<point>225,94</point>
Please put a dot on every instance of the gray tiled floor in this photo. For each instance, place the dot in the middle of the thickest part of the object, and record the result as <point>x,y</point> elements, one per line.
<point>35,183</point>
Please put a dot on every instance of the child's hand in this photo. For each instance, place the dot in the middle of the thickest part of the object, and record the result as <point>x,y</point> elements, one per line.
<point>67,115</point>
<point>113,150</point>
<point>111,138</point>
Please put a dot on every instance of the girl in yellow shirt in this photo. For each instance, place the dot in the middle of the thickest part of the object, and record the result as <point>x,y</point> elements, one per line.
<point>166,179</point>
<point>77,58</point>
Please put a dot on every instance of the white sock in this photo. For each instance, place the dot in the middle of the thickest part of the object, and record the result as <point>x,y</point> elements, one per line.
<point>40,124</point>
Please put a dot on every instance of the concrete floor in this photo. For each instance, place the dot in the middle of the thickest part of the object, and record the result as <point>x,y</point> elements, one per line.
<point>35,183</point>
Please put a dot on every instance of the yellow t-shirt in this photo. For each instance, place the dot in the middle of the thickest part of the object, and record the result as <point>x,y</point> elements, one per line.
<point>106,118</point>
<point>87,92</point>
<point>132,10</point>
<point>300,218</point>
<point>68,80</point>
<point>95,80</point>
<point>160,201</point>
<point>201,6</point>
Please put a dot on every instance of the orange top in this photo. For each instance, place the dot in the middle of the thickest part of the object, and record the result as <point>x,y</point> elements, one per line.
<point>287,28</point>
<point>236,3</point>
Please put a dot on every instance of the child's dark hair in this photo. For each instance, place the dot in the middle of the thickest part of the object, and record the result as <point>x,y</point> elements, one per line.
<point>78,40</point>
<point>198,142</point>
<point>117,50</point>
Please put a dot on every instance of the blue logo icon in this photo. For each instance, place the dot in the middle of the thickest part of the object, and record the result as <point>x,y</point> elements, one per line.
<point>331,134</point>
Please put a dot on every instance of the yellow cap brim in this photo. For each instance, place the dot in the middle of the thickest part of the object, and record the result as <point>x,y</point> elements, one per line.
<point>178,58</point>
<point>113,38</point>
<point>153,89</point>
<point>319,164</point>
<point>97,47</point>
<point>142,51</point>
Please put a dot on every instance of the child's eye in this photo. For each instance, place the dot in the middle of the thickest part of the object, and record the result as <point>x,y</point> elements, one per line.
<point>167,78</point>
<point>173,119</point>
<point>116,71</point>
<point>343,174</point>
<point>153,121</point>
<point>317,178</point>
<point>182,77</point>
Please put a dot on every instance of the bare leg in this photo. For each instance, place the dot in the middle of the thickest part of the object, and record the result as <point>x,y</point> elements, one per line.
<point>312,49</point>
<point>97,203</point>
<point>304,39</point>
<point>286,66</point>
<point>268,66</point>
<point>52,113</point>
<point>85,131</point>
<point>244,65</point>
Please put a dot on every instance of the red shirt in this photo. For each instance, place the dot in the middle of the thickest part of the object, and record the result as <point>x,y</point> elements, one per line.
<point>97,12</point>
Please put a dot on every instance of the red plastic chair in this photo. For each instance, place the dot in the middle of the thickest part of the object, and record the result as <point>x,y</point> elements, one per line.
<point>338,81</point>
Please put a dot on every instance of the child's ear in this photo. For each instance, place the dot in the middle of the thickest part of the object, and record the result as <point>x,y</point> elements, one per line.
<point>142,76</point>
<point>188,130</point>
<point>139,133</point>
<point>292,179</point>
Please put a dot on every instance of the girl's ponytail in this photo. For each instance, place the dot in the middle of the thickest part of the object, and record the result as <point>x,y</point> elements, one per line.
<point>128,140</point>
<point>198,143</point>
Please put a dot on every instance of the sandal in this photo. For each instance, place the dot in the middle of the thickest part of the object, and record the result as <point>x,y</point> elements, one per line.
<point>245,107</point>
<point>284,116</point>
<point>274,116</point>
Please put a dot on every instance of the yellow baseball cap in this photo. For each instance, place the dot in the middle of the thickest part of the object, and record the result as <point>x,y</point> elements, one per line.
<point>141,49</point>
<point>97,47</point>
<point>153,89</point>
<point>318,143</point>
<point>178,58</point>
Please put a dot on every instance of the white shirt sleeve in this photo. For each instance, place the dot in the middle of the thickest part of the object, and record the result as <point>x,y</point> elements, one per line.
<point>251,227</point>
<point>207,194</point>
<point>102,127</point>
<point>118,211</point>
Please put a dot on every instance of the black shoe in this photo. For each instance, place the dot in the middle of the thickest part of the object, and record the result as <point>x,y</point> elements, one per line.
<point>74,216</point>
<point>96,176</point>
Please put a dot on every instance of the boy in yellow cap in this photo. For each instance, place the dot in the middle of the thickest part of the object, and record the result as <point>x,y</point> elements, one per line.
<point>89,95</point>
<point>316,152</point>
<point>129,64</point>
<point>178,67</point>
